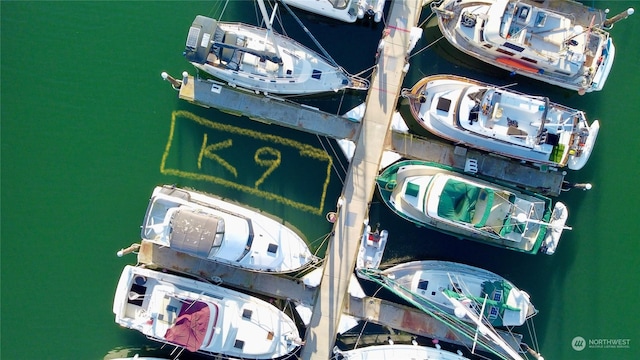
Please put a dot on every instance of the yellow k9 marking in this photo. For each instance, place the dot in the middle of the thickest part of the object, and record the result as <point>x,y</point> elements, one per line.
<point>267,159</point>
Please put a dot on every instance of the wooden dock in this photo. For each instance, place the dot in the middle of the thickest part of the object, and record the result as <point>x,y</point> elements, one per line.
<point>373,310</point>
<point>353,205</point>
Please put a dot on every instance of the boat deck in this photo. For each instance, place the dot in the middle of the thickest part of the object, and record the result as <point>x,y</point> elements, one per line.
<point>582,13</point>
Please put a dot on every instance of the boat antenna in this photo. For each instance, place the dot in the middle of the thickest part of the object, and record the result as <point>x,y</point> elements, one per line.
<point>324,52</point>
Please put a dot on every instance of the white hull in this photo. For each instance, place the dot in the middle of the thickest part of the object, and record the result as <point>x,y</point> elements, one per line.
<point>208,227</point>
<point>160,305</point>
<point>346,11</point>
<point>467,207</point>
<point>429,278</point>
<point>371,249</point>
<point>534,39</point>
<point>503,121</point>
<point>262,60</point>
<point>397,352</point>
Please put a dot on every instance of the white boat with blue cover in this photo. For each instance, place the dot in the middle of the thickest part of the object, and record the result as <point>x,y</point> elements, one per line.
<point>208,227</point>
<point>503,121</point>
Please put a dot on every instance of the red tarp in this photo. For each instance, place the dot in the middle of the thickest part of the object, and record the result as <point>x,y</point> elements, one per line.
<point>190,327</point>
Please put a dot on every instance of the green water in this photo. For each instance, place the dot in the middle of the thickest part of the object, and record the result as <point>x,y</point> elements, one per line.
<point>86,124</point>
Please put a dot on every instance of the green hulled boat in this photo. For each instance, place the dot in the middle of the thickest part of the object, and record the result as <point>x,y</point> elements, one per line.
<point>446,199</point>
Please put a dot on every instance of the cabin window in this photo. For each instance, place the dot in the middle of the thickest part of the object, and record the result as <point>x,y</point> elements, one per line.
<point>272,248</point>
<point>316,74</point>
<point>523,13</point>
<point>504,52</point>
<point>488,46</point>
<point>533,61</point>
<point>497,295</point>
<point>238,344</point>
<point>493,312</point>
<point>513,47</point>
<point>541,19</point>
<point>423,284</point>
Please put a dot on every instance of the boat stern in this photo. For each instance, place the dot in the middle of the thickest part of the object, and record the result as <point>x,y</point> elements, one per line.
<point>586,141</point>
<point>554,229</point>
<point>200,39</point>
<point>604,67</point>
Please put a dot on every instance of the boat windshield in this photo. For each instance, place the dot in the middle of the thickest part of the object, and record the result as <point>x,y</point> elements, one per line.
<point>339,4</point>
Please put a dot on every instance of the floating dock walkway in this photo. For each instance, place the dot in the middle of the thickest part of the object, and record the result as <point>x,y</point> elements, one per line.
<point>374,310</point>
<point>359,187</point>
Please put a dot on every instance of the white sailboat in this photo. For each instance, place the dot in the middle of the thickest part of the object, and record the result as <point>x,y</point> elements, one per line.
<point>504,305</point>
<point>262,60</point>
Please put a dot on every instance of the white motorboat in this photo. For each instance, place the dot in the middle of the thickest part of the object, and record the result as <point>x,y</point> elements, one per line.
<point>503,304</point>
<point>343,10</point>
<point>445,199</point>
<point>561,42</point>
<point>208,227</point>
<point>371,248</point>
<point>504,121</point>
<point>202,317</point>
<point>262,60</point>
<point>395,352</point>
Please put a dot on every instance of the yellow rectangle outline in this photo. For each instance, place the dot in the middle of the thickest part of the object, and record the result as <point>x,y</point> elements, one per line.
<point>305,150</point>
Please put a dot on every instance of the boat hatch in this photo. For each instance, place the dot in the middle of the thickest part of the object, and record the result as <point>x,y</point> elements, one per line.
<point>238,344</point>
<point>246,314</point>
<point>316,74</point>
<point>272,248</point>
<point>443,104</point>
<point>523,14</point>
<point>192,37</point>
<point>136,295</point>
<point>423,284</point>
<point>196,233</point>
<point>412,189</point>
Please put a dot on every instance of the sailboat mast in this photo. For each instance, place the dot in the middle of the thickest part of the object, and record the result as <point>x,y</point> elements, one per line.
<point>485,330</point>
<point>268,22</point>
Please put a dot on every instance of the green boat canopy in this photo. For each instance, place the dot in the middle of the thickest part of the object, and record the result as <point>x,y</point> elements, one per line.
<point>458,201</point>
